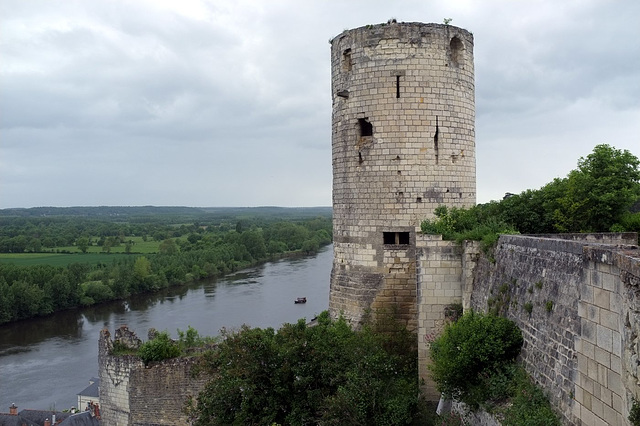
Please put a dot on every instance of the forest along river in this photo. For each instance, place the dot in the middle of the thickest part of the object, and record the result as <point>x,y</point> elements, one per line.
<point>46,362</point>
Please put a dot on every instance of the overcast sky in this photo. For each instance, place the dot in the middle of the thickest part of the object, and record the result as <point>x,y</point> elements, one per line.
<point>227,103</point>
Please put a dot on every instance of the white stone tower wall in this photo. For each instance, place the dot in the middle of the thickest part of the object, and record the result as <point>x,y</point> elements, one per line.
<point>403,143</point>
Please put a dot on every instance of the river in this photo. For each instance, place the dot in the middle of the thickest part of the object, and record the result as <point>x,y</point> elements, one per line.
<point>46,362</point>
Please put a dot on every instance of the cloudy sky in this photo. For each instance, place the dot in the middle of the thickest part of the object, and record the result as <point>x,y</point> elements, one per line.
<point>227,102</point>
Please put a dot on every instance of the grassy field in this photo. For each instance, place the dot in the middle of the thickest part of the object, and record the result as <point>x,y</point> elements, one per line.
<point>139,246</point>
<point>64,255</point>
<point>58,259</point>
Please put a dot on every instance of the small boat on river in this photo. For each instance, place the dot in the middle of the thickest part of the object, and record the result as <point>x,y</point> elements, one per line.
<point>300,300</point>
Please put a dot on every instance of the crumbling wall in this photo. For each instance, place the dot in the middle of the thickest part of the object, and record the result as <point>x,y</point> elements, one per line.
<point>134,394</point>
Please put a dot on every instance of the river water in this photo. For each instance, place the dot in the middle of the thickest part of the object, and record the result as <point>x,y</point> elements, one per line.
<point>46,362</point>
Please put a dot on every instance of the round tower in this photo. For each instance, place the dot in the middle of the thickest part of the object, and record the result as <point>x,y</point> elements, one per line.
<point>403,143</point>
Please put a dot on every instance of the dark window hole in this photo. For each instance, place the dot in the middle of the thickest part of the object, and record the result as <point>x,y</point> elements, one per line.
<point>396,238</point>
<point>366,128</point>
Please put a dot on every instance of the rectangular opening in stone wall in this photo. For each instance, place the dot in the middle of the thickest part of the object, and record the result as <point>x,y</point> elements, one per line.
<point>395,238</point>
<point>346,60</point>
<point>397,86</point>
<point>366,128</point>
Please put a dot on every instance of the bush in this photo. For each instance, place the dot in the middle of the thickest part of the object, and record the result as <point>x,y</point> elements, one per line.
<point>161,347</point>
<point>634,413</point>
<point>461,224</point>
<point>529,406</point>
<point>470,351</point>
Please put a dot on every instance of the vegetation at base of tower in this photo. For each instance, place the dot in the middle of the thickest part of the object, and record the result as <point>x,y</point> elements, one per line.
<point>595,197</point>
<point>634,412</point>
<point>471,351</point>
<point>164,250</point>
<point>474,361</point>
<point>326,374</point>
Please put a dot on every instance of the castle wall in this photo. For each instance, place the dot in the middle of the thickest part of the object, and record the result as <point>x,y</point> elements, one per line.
<point>157,394</point>
<point>132,394</point>
<point>577,303</point>
<point>403,143</point>
<point>444,277</point>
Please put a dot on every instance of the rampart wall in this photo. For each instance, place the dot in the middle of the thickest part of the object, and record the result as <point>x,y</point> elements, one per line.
<point>578,305</point>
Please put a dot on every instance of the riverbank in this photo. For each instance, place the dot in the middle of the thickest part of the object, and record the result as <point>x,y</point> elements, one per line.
<point>46,361</point>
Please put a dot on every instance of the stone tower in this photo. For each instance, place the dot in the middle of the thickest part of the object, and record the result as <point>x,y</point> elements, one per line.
<point>403,143</point>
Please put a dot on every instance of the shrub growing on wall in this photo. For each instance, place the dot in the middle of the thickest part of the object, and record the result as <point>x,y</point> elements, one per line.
<point>159,348</point>
<point>471,352</point>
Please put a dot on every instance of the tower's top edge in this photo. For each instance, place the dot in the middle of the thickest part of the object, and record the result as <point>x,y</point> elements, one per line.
<point>408,30</point>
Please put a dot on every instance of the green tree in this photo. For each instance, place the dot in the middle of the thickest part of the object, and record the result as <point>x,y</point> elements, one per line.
<point>168,247</point>
<point>141,268</point>
<point>326,374</point>
<point>6,302</point>
<point>97,291</point>
<point>83,244</point>
<point>600,191</point>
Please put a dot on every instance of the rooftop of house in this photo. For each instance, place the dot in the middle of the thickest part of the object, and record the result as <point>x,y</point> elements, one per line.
<point>53,418</point>
<point>7,419</point>
<point>86,418</point>
<point>92,390</point>
<point>39,416</point>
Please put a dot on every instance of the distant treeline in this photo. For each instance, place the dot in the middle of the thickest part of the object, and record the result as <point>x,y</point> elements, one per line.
<point>41,229</point>
<point>187,252</point>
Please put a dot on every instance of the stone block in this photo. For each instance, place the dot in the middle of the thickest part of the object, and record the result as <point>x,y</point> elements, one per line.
<point>601,298</point>
<point>588,331</point>
<point>604,337</point>
<point>610,319</point>
<point>603,357</point>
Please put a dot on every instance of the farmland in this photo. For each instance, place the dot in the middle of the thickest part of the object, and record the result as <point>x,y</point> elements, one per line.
<point>61,261</point>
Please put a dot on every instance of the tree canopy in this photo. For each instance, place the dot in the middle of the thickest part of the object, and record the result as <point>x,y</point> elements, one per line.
<point>595,197</point>
<point>325,374</point>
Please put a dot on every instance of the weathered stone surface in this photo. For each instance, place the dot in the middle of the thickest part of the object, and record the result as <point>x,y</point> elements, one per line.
<point>403,143</point>
<point>132,394</point>
<point>581,334</point>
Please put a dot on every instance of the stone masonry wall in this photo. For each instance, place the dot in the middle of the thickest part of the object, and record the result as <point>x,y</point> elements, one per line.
<point>157,394</point>
<point>403,143</point>
<point>577,305</point>
<point>441,279</point>
<point>132,394</point>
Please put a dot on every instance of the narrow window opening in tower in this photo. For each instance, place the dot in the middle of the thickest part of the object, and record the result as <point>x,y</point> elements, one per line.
<point>395,238</point>
<point>346,60</point>
<point>456,49</point>
<point>366,128</point>
<point>435,139</point>
<point>418,199</point>
<point>360,160</point>
<point>397,86</point>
